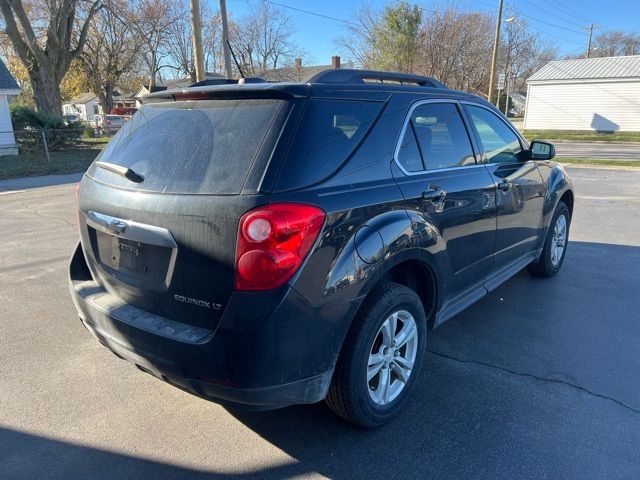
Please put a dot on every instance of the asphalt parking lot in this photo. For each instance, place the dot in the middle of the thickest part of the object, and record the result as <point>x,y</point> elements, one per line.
<point>539,380</point>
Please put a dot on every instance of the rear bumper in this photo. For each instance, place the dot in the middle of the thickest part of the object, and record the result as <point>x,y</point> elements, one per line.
<point>285,357</point>
<point>307,390</point>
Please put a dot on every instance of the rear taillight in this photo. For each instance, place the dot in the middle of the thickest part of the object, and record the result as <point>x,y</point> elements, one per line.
<point>273,240</point>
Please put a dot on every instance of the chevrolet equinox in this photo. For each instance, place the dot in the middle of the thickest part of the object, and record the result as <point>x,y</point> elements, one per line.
<point>268,244</point>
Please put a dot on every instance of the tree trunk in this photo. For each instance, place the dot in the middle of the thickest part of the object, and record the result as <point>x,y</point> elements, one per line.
<point>46,94</point>
<point>106,98</point>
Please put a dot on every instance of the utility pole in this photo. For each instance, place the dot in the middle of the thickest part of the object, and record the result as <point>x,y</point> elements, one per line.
<point>196,28</point>
<point>494,57</point>
<point>590,28</point>
<point>225,39</point>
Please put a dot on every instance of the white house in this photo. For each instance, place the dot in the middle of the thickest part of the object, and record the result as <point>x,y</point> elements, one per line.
<point>85,106</point>
<point>601,94</point>
<point>8,88</point>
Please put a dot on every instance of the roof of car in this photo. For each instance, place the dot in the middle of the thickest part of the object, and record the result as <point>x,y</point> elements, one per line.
<point>342,82</point>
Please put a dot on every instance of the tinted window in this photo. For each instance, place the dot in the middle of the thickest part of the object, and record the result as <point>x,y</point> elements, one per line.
<point>327,134</point>
<point>409,153</point>
<point>436,133</point>
<point>500,144</point>
<point>204,146</point>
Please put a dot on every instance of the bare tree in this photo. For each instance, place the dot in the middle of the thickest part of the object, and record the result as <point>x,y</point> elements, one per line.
<point>179,44</point>
<point>111,51</point>
<point>213,45</point>
<point>614,43</point>
<point>457,47</point>
<point>47,55</point>
<point>523,52</point>
<point>358,43</point>
<point>263,39</point>
<point>451,45</point>
<point>152,23</point>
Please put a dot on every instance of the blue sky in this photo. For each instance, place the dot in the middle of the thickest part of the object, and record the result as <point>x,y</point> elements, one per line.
<point>316,35</point>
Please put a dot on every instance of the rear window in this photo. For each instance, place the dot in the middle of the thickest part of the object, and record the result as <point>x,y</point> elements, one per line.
<point>327,134</point>
<point>203,146</point>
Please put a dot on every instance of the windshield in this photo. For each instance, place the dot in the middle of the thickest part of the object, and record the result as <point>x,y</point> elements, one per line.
<point>203,146</point>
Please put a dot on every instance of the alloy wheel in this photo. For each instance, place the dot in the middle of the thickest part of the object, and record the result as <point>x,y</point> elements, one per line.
<point>392,357</point>
<point>558,240</point>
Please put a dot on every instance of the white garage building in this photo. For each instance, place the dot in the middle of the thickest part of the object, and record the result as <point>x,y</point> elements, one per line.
<point>601,94</point>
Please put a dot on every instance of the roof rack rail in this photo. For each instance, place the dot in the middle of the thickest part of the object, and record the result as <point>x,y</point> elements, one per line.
<point>345,75</point>
<point>227,81</point>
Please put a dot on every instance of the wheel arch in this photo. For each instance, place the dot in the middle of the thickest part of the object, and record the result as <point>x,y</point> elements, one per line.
<point>416,274</point>
<point>567,198</point>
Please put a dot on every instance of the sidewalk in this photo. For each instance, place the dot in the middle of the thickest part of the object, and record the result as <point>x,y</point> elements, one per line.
<point>28,183</point>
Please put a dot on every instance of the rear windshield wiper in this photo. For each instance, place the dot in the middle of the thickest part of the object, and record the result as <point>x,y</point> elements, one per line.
<point>122,171</point>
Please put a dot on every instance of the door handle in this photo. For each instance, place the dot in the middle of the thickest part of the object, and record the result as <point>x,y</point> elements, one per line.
<point>435,194</point>
<point>504,185</point>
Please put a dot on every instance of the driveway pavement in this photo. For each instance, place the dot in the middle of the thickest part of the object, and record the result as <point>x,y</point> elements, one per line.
<point>598,150</point>
<point>538,380</point>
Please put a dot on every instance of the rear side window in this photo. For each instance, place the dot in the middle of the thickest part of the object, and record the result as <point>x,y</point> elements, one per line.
<point>435,137</point>
<point>327,134</point>
<point>203,146</point>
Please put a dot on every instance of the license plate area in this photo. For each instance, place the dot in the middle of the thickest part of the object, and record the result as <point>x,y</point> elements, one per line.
<point>135,263</point>
<point>123,255</point>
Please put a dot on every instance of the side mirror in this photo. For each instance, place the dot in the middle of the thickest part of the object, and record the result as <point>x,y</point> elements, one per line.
<point>541,150</point>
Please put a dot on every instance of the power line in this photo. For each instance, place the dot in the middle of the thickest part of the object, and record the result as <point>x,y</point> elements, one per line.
<point>348,22</point>
<point>571,22</point>
<point>569,12</point>
<point>537,20</point>
<point>313,13</point>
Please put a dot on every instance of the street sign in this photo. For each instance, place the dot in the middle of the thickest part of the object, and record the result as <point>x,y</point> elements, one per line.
<point>501,79</point>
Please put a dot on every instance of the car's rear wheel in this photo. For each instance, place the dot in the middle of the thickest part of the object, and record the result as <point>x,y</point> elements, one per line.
<point>380,358</point>
<point>555,245</point>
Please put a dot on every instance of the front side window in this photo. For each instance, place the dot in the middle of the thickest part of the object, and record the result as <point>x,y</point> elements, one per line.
<point>501,144</point>
<point>435,137</point>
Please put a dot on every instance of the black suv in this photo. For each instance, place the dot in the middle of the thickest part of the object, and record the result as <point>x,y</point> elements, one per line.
<point>265,244</point>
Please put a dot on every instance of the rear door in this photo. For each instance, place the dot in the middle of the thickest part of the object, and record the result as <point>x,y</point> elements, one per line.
<point>166,244</point>
<point>447,191</point>
<point>520,187</point>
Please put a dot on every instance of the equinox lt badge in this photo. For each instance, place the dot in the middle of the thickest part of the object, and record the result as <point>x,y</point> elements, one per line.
<point>197,303</point>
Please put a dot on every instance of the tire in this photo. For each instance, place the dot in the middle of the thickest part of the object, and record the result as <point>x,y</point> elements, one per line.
<point>351,394</point>
<point>550,261</point>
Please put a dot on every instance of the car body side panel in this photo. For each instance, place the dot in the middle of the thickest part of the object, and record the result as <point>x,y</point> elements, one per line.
<point>557,182</point>
<point>519,210</point>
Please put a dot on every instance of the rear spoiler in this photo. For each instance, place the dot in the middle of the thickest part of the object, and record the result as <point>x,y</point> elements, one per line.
<point>230,89</point>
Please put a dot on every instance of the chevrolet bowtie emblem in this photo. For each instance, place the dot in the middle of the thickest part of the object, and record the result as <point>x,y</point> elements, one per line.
<point>116,226</point>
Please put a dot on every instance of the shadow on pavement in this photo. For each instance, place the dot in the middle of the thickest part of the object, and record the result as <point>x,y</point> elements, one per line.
<point>531,382</point>
<point>538,380</point>
<point>26,456</point>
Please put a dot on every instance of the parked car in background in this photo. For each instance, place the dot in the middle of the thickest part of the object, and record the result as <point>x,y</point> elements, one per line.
<point>70,119</point>
<point>275,244</point>
<point>107,123</point>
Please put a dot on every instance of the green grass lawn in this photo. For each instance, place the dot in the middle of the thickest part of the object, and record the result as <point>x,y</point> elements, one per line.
<point>35,163</point>
<point>582,135</point>
<point>597,161</point>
